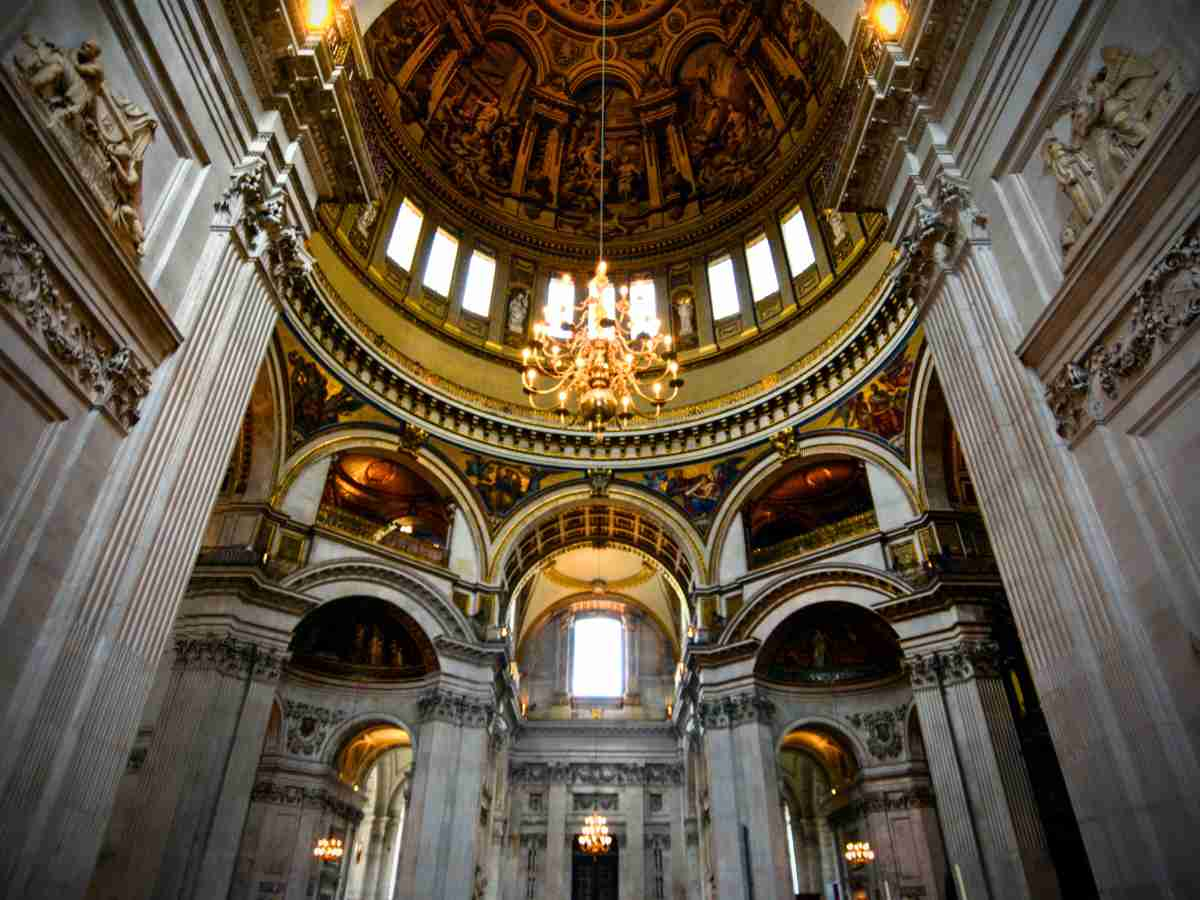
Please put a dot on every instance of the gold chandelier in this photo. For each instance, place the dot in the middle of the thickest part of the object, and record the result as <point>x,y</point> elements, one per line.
<point>594,838</point>
<point>329,849</point>
<point>601,367</point>
<point>859,853</point>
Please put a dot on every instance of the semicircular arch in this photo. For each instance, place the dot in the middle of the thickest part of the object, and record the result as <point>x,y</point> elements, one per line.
<point>840,730</point>
<point>346,731</point>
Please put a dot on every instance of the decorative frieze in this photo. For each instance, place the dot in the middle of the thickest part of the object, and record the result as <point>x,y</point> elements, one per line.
<point>440,705</point>
<point>738,709</point>
<point>962,662</point>
<point>308,726</point>
<point>228,655</point>
<point>297,795</point>
<point>105,135</point>
<point>884,729</point>
<point>619,774</point>
<point>589,802</point>
<point>105,372</point>
<point>920,797</point>
<point>1164,304</point>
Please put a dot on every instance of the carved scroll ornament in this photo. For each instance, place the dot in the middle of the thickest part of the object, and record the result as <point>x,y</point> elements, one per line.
<point>108,374</point>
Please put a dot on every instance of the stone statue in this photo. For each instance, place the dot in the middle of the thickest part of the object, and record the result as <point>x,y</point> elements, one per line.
<point>518,310</point>
<point>837,225</point>
<point>104,131</point>
<point>1077,178</point>
<point>1119,108</point>
<point>685,314</point>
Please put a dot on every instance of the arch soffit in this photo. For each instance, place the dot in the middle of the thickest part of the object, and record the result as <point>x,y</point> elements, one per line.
<point>915,430</point>
<point>862,586</point>
<point>360,437</point>
<point>812,448</point>
<point>562,498</point>
<point>373,577</point>
<point>277,378</point>
<point>846,735</point>
<point>349,729</point>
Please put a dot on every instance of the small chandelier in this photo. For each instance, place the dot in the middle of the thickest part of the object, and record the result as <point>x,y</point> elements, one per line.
<point>602,367</point>
<point>595,839</point>
<point>859,853</point>
<point>329,849</point>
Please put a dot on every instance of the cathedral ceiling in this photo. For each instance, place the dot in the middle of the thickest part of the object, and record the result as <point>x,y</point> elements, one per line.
<point>496,107</point>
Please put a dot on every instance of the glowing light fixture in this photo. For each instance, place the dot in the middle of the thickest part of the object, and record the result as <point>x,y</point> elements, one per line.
<point>610,363</point>
<point>595,839</point>
<point>859,853</point>
<point>888,16</point>
<point>329,849</point>
<point>318,13</point>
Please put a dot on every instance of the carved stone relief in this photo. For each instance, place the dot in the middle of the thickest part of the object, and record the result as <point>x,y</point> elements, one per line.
<point>1113,113</point>
<point>883,728</point>
<point>108,374</point>
<point>297,795</point>
<point>1166,303</point>
<point>589,802</point>
<point>308,726</point>
<point>964,661</point>
<point>104,133</point>
<point>729,712</point>
<point>229,656</point>
<point>458,709</point>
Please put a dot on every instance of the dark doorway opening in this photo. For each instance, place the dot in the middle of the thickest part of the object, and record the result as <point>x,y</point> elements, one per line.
<point>594,877</point>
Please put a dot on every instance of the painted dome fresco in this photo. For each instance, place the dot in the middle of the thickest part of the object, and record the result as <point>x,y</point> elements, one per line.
<point>708,104</point>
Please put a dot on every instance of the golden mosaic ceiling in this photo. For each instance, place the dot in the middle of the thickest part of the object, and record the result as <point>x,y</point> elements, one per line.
<point>496,107</point>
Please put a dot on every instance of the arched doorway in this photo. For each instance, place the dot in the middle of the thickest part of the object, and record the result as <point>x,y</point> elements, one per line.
<point>377,763</point>
<point>595,877</point>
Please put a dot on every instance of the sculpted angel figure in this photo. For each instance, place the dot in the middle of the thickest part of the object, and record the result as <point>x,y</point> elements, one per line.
<point>68,80</point>
<point>1077,177</point>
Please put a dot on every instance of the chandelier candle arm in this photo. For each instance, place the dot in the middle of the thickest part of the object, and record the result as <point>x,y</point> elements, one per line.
<point>600,368</point>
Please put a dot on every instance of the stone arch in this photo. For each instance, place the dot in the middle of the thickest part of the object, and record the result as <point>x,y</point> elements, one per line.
<point>850,739</point>
<point>813,447</point>
<point>374,577</point>
<point>664,628</point>
<point>664,515</point>
<point>925,435</point>
<point>341,735</point>
<point>614,69</point>
<point>288,498</point>
<point>861,586</point>
<point>509,31</point>
<point>687,41</point>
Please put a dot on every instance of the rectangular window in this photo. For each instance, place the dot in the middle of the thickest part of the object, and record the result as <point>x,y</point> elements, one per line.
<point>402,245</point>
<point>560,306</point>
<point>796,243</point>
<point>598,667</point>
<point>439,271</point>
<point>722,288</point>
<point>481,273</point>
<point>763,282</point>
<point>643,318</point>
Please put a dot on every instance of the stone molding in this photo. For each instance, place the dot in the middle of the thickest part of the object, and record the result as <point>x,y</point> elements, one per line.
<point>965,661</point>
<point>441,705</point>
<point>892,801</point>
<point>589,802</point>
<point>735,710</point>
<point>252,201</point>
<point>484,655</point>
<point>884,729</point>
<point>296,795</point>
<point>308,726</point>
<point>1166,303</point>
<point>230,656</point>
<point>104,370</point>
<point>620,774</point>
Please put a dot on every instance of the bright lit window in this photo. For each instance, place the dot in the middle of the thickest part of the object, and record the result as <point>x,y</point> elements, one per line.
<point>763,282</point>
<point>440,269</point>
<point>643,318</point>
<point>722,287</point>
<point>402,245</point>
<point>791,836</point>
<point>481,273</point>
<point>796,243</point>
<point>560,306</point>
<point>599,664</point>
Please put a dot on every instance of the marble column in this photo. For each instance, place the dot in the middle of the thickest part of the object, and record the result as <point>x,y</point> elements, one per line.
<point>375,851</point>
<point>438,854</point>
<point>632,624</point>
<point>199,770</point>
<point>749,842</point>
<point>994,837</point>
<point>632,869</point>
<point>105,604</point>
<point>390,859</point>
<point>557,881</point>
<point>1116,713</point>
